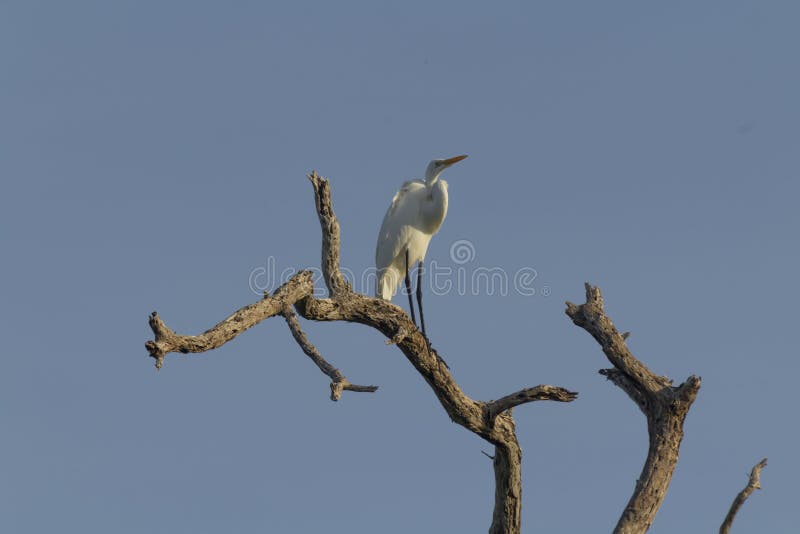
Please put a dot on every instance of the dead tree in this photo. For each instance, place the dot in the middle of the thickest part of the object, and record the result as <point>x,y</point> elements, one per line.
<point>664,406</point>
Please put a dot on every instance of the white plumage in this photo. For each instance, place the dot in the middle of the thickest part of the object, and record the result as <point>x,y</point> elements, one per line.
<point>416,214</point>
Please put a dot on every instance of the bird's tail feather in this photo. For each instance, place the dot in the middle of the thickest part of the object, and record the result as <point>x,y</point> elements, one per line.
<point>386,283</point>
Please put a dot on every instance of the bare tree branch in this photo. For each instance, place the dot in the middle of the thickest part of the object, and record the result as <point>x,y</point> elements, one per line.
<point>753,484</point>
<point>664,406</point>
<point>338,381</point>
<point>393,323</point>
<point>344,304</point>
<point>592,318</point>
<point>335,282</point>
<point>551,393</point>
<point>166,340</point>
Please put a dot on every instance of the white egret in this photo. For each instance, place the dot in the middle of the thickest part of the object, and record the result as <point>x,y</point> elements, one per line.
<point>416,214</point>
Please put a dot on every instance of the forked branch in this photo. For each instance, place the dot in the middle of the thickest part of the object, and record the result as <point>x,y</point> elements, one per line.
<point>664,406</point>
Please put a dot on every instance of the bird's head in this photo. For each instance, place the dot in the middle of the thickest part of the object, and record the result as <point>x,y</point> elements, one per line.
<point>437,166</point>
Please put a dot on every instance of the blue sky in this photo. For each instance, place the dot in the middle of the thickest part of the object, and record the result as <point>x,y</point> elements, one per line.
<point>153,156</point>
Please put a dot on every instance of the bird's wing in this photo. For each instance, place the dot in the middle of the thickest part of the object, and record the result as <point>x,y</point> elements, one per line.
<point>398,223</point>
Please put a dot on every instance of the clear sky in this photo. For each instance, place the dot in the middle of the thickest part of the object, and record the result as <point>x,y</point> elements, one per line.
<point>152,157</point>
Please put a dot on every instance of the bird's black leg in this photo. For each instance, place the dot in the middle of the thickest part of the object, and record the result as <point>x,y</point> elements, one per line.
<point>422,317</point>
<point>419,298</point>
<point>408,291</point>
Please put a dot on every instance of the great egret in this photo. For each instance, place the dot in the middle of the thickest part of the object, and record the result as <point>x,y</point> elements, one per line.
<point>416,214</point>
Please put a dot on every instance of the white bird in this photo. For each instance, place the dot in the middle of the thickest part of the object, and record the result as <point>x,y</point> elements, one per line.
<point>416,214</point>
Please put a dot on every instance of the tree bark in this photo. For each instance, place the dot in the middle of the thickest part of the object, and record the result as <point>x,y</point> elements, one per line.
<point>508,487</point>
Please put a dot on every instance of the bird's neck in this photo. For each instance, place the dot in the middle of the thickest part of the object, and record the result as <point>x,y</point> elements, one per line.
<point>432,179</point>
<point>434,209</point>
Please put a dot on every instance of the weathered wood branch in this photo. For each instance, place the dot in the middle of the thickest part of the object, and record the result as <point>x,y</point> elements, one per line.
<point>543,392</point>
<point>507,515</point>
<point>753,484</point>
<point>338,382</point>
<point>592,318</point>
<point>394,323</point>
<point>492,421</point>
<point>166,340</point>
<point>334,280</point>
<point>664,406</point>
